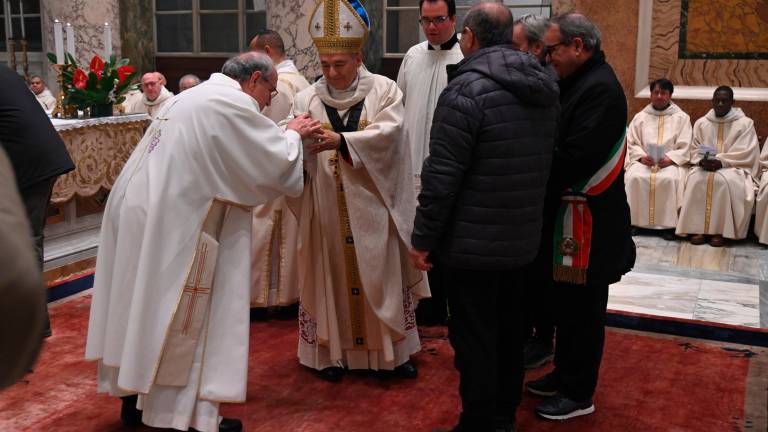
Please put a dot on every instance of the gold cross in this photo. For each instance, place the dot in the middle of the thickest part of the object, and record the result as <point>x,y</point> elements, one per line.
<point>317,26</point>
<point>348,26</point>
<point>195,290</point>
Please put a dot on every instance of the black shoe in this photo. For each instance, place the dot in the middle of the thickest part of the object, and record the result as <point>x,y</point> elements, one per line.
<point>503,424</point>
<point>559,407</point>
<point>129,414</point>
<point>538,353</point>
<point>668,235</point>
<point>332,374</point>
<point>544,386</point>
<point>407,370</point>
<point>227,425</point>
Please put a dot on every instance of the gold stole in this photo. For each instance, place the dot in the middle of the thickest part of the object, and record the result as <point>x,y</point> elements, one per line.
<point>711,179</point>
<point>654,170</point>
<point>192,310</point>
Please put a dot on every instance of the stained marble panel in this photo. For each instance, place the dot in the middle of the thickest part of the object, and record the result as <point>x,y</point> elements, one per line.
<point>291,19</point>
<point>728,303</point>
<point>655,294</point>
<point>136,33</point>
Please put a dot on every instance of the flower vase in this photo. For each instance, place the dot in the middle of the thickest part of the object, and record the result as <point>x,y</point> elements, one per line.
<point>102,110</point>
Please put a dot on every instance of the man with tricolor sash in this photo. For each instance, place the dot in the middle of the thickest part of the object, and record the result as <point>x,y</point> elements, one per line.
<point>587,241</point>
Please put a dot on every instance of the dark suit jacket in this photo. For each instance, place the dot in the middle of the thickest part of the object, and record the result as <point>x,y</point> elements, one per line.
<point>35,149</point>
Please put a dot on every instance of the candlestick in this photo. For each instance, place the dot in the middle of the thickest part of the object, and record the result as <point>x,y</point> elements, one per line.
<point>70,39</point>
<point>12,53</point>
<point>107,41</point>
<point>58,39</point>
<point>21,15</point>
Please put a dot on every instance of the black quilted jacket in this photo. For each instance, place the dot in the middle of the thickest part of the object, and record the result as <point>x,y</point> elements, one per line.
<point>491,145</point>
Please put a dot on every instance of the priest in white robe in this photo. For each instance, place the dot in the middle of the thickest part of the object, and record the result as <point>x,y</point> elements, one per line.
<point>720,188</point>
<point>274,272</point>
<point>43,95</point>
<point>761,213</point>
<point>169,318</point>
<point>358,288</point>
<point>658,153</point>
<point>154,96</point>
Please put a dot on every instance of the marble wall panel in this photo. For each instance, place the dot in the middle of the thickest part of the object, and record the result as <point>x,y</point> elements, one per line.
<point>136,33</point>
<point>88,18</point>
<point>291,19</point>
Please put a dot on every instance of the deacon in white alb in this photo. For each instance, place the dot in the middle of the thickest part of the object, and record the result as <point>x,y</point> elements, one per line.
<point>169,319</point>
<point>358,288</point>
<point>658,153</point>
<point>43,95</point>
<point>761,213</point>
<point>274,276</point>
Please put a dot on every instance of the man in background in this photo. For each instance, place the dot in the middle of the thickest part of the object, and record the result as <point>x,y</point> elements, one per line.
<point>154,95</point>
<point>188,81</point>
<point>44,96</point>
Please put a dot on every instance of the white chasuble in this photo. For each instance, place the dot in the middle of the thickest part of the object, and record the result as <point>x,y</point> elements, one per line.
<point>274,280</point>
<point>358,286</point>
<point>720,202</point>
<point>422,78</point>
<point>169,316</point>
<point>761,212</point>
<point>655,194</point>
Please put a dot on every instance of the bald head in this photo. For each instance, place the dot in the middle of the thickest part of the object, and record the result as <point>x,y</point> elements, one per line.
<point>152,84</point>
<point>491,24</point>
<point>270,43</point>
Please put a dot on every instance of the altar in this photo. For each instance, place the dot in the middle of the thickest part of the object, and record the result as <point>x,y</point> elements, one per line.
<point>99,147</point>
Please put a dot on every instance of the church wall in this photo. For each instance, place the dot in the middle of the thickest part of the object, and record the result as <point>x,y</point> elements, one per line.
<point>291,19</point>
<point>136,33</point>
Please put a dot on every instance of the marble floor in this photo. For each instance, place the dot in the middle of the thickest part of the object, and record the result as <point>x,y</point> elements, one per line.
<point>676,279</point>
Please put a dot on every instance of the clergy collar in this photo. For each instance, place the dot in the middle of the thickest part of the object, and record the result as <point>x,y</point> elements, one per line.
<point>446,45</point>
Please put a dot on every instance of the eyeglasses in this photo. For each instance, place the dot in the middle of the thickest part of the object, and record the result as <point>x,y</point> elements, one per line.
<point>550,49</point>
<point>272,93</point>
<point>436,20</point>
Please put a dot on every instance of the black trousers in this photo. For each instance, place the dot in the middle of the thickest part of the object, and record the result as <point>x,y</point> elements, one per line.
<point>36,198</point>
<point>486,330</point>
<point>434,310</point>
<point>580,320</point>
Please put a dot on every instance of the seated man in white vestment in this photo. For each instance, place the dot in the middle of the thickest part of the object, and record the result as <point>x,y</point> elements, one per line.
<point>274,275</point>
<point>422,78</point>
<point>188,81</point>
<point>658,153</point>
<point>154,96</point>
<point>358,288</point>
<point>169,322</point>
<point>761,213</point>
<point>43,95</point>
<point>720,188</point>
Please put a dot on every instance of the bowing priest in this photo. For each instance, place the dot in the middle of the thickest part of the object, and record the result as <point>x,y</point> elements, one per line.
<point>658,152</point>
<point>422,78</point>
<point>720,189</point>
<point>761,213</point>
<point>169,320</point>
<point>274,282</point>
<point>358,289</point>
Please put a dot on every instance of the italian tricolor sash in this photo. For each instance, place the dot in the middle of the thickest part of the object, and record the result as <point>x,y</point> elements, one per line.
<point>573,225</point>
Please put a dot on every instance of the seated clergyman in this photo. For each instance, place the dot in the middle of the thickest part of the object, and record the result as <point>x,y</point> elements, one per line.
<point>720,189</point>
<point>761,214</point>
<point>658,150</point>
<point>43,95</point>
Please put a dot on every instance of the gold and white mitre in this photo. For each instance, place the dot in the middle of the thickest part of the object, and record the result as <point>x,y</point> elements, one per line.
<point>339,26</point>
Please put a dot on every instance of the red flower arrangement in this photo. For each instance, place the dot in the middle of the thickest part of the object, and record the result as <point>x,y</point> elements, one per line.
<point>103,84</point>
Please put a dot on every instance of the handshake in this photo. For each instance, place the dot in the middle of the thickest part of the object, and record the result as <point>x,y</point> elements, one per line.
<point>309,129</point>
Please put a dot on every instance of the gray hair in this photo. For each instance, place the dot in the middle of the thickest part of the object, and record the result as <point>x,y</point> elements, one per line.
<point>575,25</point>
<point>242,66</point>
<point>491,23</point>
<point>535,26</point>
<point>192,77</point>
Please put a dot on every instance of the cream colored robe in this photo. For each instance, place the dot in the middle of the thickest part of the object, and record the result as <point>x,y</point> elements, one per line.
<point>358,286</point>
<point>46,99</point>
<point>761,214</point>
<point>169,317</point>
<point>144,105</point>
<point>721,202</point>
<point>274,276</point>
<point>422,77</point>
<point>655,194</point>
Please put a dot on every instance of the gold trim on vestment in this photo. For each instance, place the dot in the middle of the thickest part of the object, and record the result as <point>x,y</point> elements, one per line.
<point>720,137</point>
<point>332,42</point>
<point>652,196</point>
<point>708,205</point>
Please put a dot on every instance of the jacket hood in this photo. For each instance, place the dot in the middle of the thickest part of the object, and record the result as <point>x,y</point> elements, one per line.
<point>516,71</point>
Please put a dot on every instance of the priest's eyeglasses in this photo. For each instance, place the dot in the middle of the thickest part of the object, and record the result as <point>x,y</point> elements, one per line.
<point>436,20</point>
<point>272,93</point>
<point>550,49</point>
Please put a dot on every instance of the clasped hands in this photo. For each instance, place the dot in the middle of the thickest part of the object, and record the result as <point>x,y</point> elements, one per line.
<point>713,164</point>
<point>647,161</point>
<point>322,139</point>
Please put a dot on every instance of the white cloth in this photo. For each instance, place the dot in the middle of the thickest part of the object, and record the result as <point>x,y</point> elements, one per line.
<point>655,194</point>
<point>46,99</point>
<point>274,280</point>
<point>720,202</point>
<point>210,150</point>
<point>358,286</point>
<point>422,78</point>
<point>761,212</point>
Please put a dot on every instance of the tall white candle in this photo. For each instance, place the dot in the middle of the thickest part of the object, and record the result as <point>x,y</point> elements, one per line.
<point>21,15</point>
<point>58,41</point>
<point>107,41</point>
<point>71,39</point>
<point>8,19</point>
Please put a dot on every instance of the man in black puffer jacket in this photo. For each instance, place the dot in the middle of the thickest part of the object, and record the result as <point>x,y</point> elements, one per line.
<point>480,207</point>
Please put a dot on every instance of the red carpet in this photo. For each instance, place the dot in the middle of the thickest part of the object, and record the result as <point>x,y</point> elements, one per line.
<point>649,383</point>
